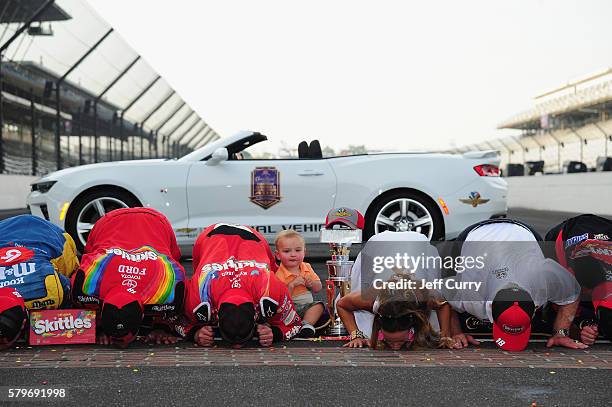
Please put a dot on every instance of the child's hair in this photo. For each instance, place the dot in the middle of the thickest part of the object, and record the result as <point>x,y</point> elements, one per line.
<point>287,233</point>
<point>399,308</point>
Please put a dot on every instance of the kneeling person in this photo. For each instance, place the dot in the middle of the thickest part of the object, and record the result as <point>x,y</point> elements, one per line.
<point>234,286</point>
<point>582,245</point>
<point>515,280</point>
<point>130,273</point>
<point>36,259</point>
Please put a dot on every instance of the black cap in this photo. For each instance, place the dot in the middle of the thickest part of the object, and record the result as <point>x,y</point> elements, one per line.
<point>121,315</point>
<point>506,297</point>
<point>12,322</point>
<point>604,316</point>
<point>237,322</point>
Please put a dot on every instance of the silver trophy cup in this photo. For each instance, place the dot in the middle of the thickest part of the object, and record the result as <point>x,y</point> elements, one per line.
<point>339,268</point>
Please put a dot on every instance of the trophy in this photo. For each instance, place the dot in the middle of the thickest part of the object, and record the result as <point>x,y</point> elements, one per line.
<point>342,228</point>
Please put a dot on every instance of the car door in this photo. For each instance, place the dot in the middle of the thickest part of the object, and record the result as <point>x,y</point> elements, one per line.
<point>270,195</point>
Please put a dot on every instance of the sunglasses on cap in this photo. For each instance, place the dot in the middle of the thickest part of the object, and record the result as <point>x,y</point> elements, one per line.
<point>397,343</point>
<point>394,323</point>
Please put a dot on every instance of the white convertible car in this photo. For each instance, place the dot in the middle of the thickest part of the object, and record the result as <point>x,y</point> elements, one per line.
<point>435,194</point>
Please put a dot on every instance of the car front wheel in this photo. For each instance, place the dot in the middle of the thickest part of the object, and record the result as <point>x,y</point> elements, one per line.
<point>88,209</point>
<point>404,212</point>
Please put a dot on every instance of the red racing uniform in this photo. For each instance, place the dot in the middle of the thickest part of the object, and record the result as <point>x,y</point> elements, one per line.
<point>133,249</point>
<point>234,264</point>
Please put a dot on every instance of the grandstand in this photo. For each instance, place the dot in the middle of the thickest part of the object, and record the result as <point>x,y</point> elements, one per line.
<point>569,129</point>
<point>73,92</point>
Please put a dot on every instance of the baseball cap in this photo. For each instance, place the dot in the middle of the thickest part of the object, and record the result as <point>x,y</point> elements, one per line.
<point>351,218</point>
<point>237,322</point>
<point>602,302</point>
<point>13,316</point>
<point>512,311</point>
<point>122,314</point>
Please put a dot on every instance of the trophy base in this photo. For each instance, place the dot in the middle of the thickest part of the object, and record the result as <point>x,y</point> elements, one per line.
<point>336,329</point>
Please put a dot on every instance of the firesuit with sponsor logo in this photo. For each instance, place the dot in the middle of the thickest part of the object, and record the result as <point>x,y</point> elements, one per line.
<point>583,245</point>
<point>233,261</point>
<point>133,249</point>
<point>37,258</point>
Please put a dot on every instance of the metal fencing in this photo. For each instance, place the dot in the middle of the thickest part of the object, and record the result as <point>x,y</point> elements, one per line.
<point>74,92</point>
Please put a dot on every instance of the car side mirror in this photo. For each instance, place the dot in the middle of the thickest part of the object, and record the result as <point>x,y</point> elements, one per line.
<point>219,155</point>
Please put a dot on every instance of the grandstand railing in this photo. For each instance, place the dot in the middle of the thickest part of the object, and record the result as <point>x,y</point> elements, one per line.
<point>555,147</point>
<point>80,95</point>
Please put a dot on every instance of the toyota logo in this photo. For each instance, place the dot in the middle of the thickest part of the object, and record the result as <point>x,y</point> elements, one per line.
<point>129,283</point>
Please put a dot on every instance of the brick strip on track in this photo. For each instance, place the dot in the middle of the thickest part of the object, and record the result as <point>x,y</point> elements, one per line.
<point>599,357</point>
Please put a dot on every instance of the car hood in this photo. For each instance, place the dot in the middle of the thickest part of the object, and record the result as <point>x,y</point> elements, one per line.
<point>57,175</point>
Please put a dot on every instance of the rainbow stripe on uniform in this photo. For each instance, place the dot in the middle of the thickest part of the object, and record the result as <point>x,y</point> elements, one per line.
<point>160,289</point>
<point>94,273</point>
<point>160,281</point>
<point>204,280</point>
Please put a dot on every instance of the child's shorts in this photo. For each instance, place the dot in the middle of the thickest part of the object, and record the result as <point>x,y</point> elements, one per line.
<point>302,308</point>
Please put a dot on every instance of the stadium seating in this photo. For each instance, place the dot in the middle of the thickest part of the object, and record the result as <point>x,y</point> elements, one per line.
<point>574,166</point>
<point>604,164</point>
<point>569,130</point>
<point>515,170</point>
<point>534,167</point>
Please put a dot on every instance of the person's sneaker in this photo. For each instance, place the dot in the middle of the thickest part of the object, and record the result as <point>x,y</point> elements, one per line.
<point>307,331</point>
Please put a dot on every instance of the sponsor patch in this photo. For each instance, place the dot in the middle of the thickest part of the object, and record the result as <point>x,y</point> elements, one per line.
<point>268,307</point>
<point>13,255</point>
<point>289,318</point>
<point>163,308</point>
<point>512,329</point>
<point>88,299</point>
<point>501,273</point>
<point>265,187</point>
<point>68,326</point>
<point>292,332</point>
<point>475,323</point>
<point>474,199</point>
<point>17,270</point>
<point>575,240</point>
<point>135,257</point>
<point>342,212</point>
<point>38,304</point>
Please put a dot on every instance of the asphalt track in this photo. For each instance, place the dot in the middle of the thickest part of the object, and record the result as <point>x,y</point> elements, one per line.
<point>300,373</point>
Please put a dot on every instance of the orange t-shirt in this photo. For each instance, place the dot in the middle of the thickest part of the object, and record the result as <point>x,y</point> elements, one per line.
<point>286,277</point>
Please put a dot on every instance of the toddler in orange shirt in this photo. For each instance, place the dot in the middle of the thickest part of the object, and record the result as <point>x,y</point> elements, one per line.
<point>300,278</point>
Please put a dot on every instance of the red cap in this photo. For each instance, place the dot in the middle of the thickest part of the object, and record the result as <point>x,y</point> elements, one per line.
<point>120,297</point>
<point>602,295</point>
<point>9,298</point>
<point>344,216</point>
<point>13,316</point>
<point>122,314</point>
<point>235,298</point>
<point>512,329</point>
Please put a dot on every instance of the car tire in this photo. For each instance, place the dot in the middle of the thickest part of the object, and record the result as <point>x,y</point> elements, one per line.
<point>385,213</point>
<point>87,209</point>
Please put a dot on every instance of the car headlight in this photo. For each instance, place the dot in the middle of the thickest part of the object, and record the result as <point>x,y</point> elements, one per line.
<point>43,187</point>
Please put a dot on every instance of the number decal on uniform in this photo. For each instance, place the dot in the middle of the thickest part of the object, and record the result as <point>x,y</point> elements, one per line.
<point>13,255</point>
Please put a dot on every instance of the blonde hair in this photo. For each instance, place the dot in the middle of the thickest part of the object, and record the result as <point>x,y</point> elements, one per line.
<point>417,302</point>
<point>286,234</point>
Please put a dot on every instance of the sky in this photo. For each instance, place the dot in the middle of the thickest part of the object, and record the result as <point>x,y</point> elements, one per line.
<point>391,74</point>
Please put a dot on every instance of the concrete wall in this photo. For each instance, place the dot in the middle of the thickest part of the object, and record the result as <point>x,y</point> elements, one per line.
<point>15,189</point>
<point>589,192</point>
